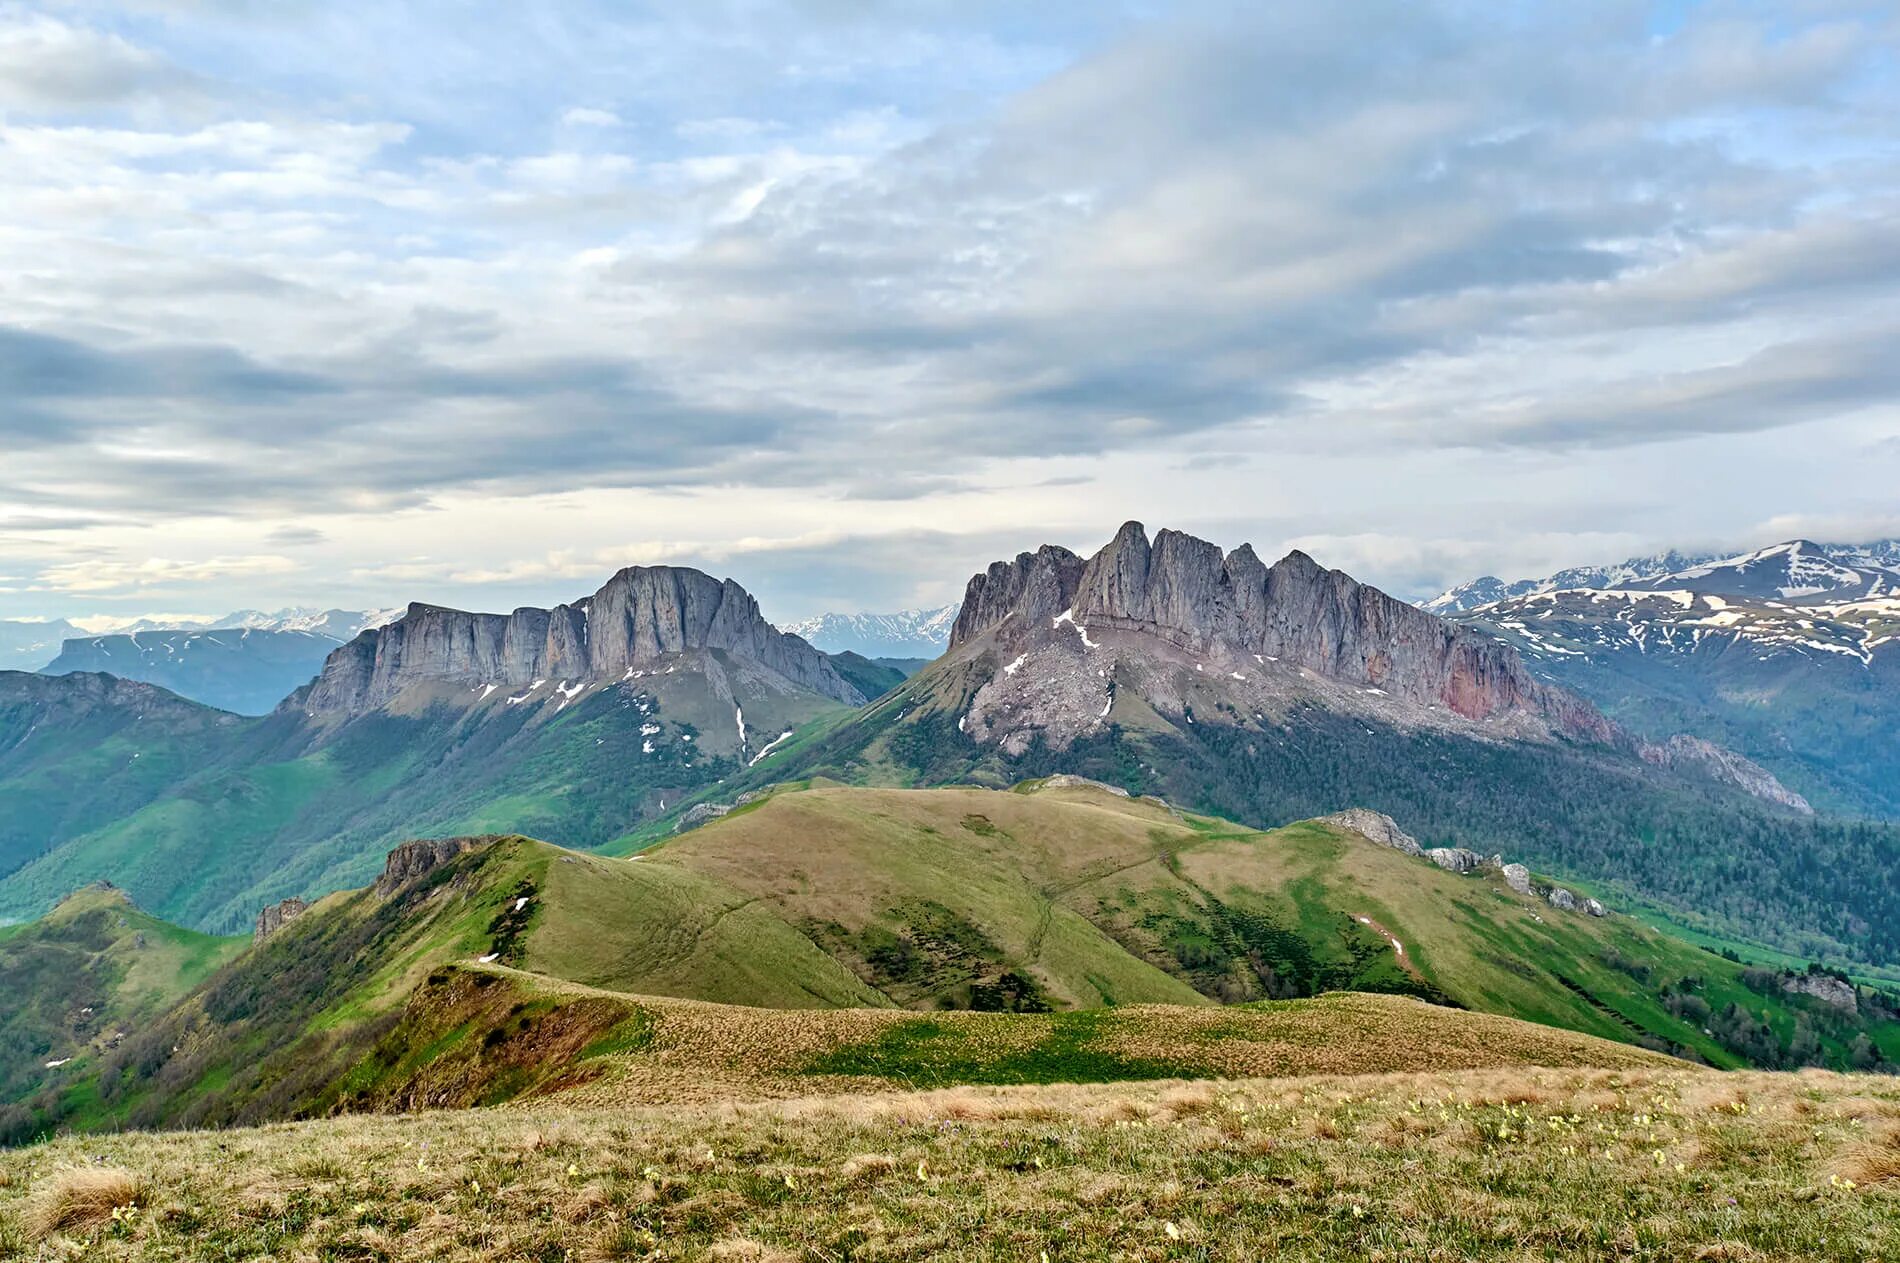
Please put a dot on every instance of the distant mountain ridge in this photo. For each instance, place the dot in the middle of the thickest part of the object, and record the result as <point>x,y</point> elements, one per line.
<point>239,669</point>
<point>1792,570</point>
<point>904,634</point>
<point>28,646</point>
<point>1789,655</point>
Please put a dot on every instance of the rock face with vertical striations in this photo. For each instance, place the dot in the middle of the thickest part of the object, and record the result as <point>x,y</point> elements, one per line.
<point>642,614</point>
<point>1294,614</point>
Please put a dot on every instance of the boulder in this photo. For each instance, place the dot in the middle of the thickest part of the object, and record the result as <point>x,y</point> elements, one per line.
<point>1561,898</point>
<point>1594,908</point>
<point>1826,988</point>
<point>1379,828</point>
<point>1517,877</point>
<point>1455,859</point>
<point>700,813</point>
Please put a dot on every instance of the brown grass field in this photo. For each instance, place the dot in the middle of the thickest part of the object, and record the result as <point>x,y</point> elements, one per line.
<point>1653,1163</point>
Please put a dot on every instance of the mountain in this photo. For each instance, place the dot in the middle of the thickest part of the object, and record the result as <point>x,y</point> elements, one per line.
<point>236,668</point>
<point>579,724</point>
<point>30,646</point>
<point>79,753</point>
<point>1792,570</point>
<point>644,614</point>
<point>905,634</point>
<point>1268,694</point>
<point>336,624</point>
<point>475,969</point>
<point>1786,655</point>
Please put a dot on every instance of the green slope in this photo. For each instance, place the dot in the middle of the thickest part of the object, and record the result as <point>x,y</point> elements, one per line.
<point>285,806</point>
<point>77,984</point>
<point>1088,897</point>
<point>1047,900</point>
<point>1716,860</point>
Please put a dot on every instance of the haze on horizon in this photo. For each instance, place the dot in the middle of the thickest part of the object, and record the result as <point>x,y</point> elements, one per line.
<point>352,305</point>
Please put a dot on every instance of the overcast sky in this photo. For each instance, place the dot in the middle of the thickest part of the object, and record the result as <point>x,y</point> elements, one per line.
<point>352,303</point>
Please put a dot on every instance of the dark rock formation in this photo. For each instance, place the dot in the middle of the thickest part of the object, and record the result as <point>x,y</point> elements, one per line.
<point>1183,590</point>
<point>642,613</point>
<point>276,917</point>
<point>413,860</point>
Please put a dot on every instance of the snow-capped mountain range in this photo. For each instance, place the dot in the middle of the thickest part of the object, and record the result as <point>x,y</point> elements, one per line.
<point>1795,570</point>
<point>1800,597</point>
<point>1789,655</point>
<point>905,634</point>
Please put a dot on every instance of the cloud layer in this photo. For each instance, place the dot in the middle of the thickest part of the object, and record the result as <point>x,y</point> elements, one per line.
<point>861,295</point>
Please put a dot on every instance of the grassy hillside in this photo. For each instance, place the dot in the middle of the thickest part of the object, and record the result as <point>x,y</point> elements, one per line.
<point>1498,1164</point>
<point>1074,897</point>
<point>79,982</point>
<point>77,754</point>
<point>299,810</point>
<point>967,935</point>
<point>1717,860</point>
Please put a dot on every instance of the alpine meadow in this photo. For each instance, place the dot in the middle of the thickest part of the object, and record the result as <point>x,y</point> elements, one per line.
<point>799,633</point>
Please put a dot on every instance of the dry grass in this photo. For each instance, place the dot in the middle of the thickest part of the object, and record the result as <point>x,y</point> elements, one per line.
<point>83,1200</point>
<point>1506,1164</point>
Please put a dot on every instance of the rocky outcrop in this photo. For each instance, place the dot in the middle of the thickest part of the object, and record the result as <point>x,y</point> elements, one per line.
<point>700,813</point>
<point>1185,591</point>
<point>1376,826</point>
<point>1594,908</point>
<point>1064,780</point>
<point>641,614</point>
<point>1517,877</point>
<point>1683,752</point>
<point>1455,859</point>
<point>414,860</point>
<point>276,917</point>
<point>1561,898</point>
<point>1826,988</point>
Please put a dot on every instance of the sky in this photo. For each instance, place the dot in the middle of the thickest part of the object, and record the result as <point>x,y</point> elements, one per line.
<point>351,304</point>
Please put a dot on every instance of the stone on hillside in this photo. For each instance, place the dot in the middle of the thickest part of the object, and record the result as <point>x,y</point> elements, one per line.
<point>1456,859</point>
<point>1380,828</point>
<point>699,814</point>
<point>1826,988</point>
<point>1517,877</point>
<point>1561,898</point>
<point>1594,908</point>
<point>1063,780</point>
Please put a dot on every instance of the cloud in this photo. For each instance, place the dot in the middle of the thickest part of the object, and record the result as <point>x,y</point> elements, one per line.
<point>907,256</point>
<point>132,578</point>
<point>583,116</point>
<point>48,65</point>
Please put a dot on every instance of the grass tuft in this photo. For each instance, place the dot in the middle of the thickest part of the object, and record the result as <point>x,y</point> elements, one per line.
<point>85,1199</point>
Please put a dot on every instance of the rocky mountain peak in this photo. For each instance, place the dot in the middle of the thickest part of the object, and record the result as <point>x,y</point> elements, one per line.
<point>639,615</point>
<point>1184,591</point>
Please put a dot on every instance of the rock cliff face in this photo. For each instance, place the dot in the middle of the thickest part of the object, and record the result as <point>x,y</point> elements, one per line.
<point>276,917</point>
<point>416,859</point>
<point>642,613</point>
<point>1686,753</point>
<point>1184,591</point>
